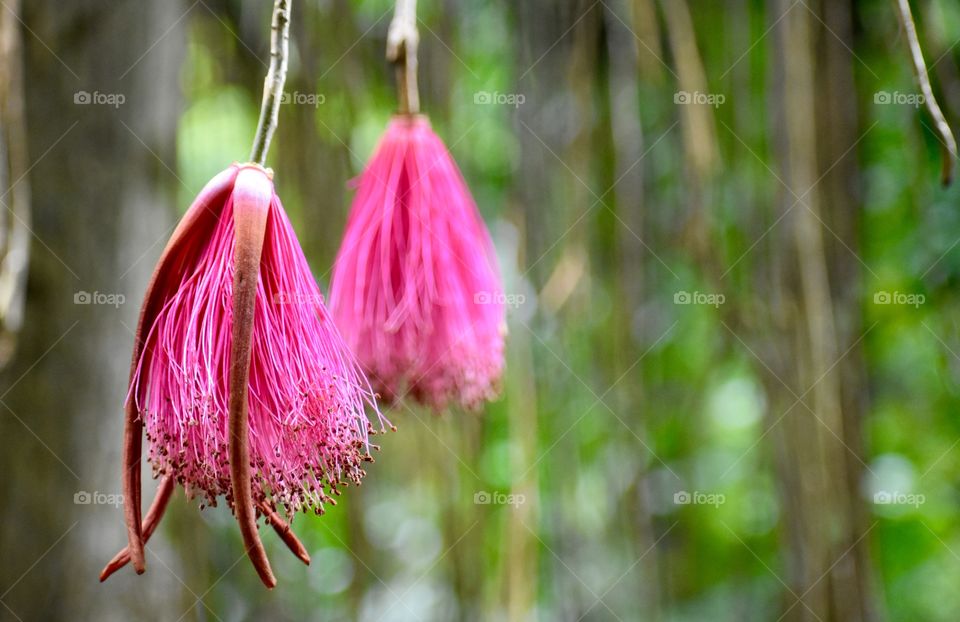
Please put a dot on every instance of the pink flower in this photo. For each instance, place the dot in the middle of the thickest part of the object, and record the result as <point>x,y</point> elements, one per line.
<point>416,289</point>
<point>240,377</point>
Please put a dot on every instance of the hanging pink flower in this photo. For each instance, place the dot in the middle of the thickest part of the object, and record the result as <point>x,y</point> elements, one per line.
<point>239,375</point>
<point>416,289</point>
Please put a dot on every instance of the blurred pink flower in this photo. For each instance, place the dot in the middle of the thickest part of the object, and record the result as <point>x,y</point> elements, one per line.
<point>240,377</point>
<point>416,289</point>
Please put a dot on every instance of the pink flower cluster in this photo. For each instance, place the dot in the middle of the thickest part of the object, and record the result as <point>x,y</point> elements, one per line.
<point>308,431</point>
<point>416,289</point>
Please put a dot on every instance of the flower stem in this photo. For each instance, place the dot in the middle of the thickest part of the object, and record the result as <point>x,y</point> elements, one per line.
<point>402,41</point>
<point>948,145</point>
<point>273,83</point>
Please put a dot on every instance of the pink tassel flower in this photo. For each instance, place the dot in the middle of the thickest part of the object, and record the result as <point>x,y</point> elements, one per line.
<point>239,375</point>
<point>416,289</point>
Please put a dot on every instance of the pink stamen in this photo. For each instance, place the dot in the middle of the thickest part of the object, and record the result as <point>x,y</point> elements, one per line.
<point>416,289</point>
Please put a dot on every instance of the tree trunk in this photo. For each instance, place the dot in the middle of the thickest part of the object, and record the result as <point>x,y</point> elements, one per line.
<point>818,435</point>
<point>14,187</point>
<point>102,106</point>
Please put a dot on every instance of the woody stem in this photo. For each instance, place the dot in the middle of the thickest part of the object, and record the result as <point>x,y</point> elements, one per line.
<point>948,144</point>
<point>402,42</point>
<point>273,83</point>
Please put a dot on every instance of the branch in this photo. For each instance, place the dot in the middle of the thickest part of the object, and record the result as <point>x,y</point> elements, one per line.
<point>15,224</point>
<point>273,83</point>
<point>402,42</point>
<point>948,145</point>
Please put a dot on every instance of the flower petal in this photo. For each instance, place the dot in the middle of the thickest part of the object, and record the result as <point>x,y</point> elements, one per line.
<point>150,522</point>
<point>252,195</point>
<point>286,533</point>
<point>204,206</point>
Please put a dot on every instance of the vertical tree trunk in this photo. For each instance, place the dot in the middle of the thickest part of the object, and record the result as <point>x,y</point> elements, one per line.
<point>14,187</point>
<point>626,144</point>
<point>818,435</point>
<point>101,215</point>
<point>521,572</point>
<point>840,129</point>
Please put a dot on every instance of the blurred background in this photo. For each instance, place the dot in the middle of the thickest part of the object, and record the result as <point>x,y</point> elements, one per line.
<point>734,355</point>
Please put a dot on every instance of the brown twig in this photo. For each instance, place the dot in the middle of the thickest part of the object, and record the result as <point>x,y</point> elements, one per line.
<point>15,224</point>
<point>273,83</point>
<point>403,40</point>
<point>948,144</point>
